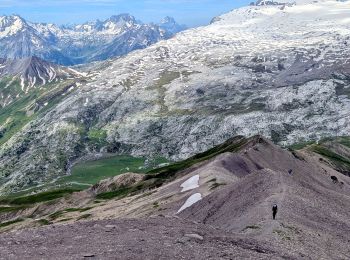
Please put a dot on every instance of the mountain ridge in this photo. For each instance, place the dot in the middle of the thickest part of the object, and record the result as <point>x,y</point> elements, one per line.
<point>235,184</point>
<point>69,45</point>
<point>256,70</point>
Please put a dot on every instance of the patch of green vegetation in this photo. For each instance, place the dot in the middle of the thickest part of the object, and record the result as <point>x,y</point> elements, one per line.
<point>65,219</point>
<point>122,192</point>
<point>85,216</point>
<point>231,145</point>
<point>77,209</point>
<point>8,223</point>
<point>156,205</point>
<point>92,172</point>
<point>60,213</point>
<point>334,157</point>
<point>11,209</point>
<point>126,191</point>
<point>44,222</point>
<point>26,107</point>
<point>156,178</point>
<point>216,185</point>
<point>36,198</point>
<point>301,145</point>
<point>344,140</point>
<point>56,215</point>
<point>97,136</point>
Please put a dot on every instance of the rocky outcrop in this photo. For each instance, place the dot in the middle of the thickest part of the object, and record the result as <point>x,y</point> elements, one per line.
<point>121,181</point>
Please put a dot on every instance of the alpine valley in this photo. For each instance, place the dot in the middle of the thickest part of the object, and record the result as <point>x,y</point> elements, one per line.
<point>279,69</point>
<point>228,141</point>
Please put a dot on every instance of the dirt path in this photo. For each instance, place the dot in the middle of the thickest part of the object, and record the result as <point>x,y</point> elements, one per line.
<point>268,225</point>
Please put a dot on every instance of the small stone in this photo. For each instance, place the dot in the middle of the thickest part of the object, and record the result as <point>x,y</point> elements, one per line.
<point>89,255</point>
<point>110,226</point>
<point>196,236</point>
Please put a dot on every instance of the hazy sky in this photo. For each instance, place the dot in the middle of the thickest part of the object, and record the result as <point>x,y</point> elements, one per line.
<point>190,12</point>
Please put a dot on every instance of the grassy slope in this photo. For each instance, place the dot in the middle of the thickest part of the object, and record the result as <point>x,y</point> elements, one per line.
<point>92,172</point>
<point>157,177</point>
<point>16,115</point>
<point>327,148</point>
<point>83,175</point>
<point>231,145</point>
<point>36,198</point>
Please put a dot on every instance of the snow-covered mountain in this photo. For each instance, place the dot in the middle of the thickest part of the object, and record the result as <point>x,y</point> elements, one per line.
<point>92,41</point>
<point>279,70</point>
<point>170,26</point>
<point>33,70</point>
<point>22,77</point>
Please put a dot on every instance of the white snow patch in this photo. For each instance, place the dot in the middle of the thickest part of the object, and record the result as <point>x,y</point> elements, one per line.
<point>42,78</point>
<point>77,72</point>
<point>190,201</point>
<point>86,102</point>
<point>52,74</point>
<point>22,83</point>
<point>190,184</point>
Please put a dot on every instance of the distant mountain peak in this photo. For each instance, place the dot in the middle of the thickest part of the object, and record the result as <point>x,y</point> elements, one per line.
<point>33,71</point>
<point>168,19</point>
<point>82,43</point>
<point>10,25</point>
<point>169,25</point>
<point>125,17</point>
<point>289,2</point>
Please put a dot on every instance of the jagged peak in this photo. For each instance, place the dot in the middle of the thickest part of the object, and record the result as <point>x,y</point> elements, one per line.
<point>290,2</point>
<point>168,19</point>
<point>32,71</point>
<point>124,17</point>
<point>12,20</point>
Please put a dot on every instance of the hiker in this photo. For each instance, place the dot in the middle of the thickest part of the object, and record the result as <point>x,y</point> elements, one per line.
<point>274,211</point>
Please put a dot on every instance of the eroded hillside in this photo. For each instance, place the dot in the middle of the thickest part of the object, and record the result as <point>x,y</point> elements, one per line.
<point>217,203</point>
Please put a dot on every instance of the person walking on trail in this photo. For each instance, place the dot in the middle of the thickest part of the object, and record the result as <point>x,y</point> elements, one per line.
<point>274,211</point>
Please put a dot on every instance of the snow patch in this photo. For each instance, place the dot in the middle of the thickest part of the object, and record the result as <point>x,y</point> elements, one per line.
<point>22,83</point>
<point>86,102</point>
<point>77,72</point>
<point>190,184</point>
<point>190,201</point>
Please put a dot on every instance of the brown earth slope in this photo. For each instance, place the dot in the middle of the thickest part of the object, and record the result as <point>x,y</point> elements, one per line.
<point>233,219</point>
